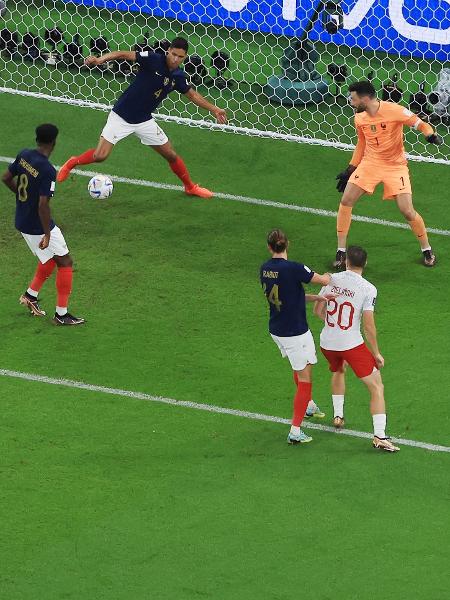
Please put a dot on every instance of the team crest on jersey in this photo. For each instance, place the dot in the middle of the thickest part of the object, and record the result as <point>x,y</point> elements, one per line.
<point>166,80</point>
<point>373,128</point>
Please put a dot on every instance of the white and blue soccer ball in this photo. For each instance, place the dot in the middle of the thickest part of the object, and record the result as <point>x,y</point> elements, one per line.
<point>100,187</point>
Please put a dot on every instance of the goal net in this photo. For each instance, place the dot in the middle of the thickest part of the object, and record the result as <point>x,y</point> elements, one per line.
<point>281,68</point>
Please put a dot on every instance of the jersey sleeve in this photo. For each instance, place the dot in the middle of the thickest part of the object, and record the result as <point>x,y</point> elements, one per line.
<point>370,299</point>
<point>303,273</point>
<point>358,153</point>
<point>12,168</point>
<point>406,117</point>
<point>181,84</point>
<point>47,183</point>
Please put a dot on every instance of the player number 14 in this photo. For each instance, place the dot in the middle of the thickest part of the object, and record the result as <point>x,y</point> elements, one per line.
<point>273,297</point>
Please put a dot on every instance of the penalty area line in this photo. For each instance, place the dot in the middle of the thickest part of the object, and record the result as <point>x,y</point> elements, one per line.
<point>207,407</point>
<point>249,200</point>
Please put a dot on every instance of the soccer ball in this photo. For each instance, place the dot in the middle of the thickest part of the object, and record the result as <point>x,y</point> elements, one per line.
<point>100,187</point>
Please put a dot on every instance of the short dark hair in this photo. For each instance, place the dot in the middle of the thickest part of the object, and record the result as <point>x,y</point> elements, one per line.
<point>362,88</point>
<point>46,133</point>
<point>180,43</point>
<point>277,240</point>
<point>356,256</point>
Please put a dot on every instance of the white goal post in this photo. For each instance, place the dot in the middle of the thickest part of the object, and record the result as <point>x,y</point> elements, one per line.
<point>281,68</point>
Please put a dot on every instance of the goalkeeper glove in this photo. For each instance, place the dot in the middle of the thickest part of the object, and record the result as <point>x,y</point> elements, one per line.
<point>344,177</point>
<point>434,138</point>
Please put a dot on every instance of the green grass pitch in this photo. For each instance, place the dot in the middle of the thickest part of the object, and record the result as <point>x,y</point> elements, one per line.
<point>109,497</point>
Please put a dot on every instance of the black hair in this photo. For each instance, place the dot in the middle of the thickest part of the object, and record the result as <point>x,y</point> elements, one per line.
<point>46,133</point>
<point>357,256</point>
<point>277,240</point>
<point>180,43</point>
<point>362,88</point>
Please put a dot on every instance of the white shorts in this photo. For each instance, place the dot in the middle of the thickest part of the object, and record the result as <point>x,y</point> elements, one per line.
<point>299,349</point>
<point>149,132</point>
<point>56,247</point>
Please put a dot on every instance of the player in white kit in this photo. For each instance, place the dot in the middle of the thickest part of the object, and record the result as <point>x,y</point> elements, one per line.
<point>341,341</point>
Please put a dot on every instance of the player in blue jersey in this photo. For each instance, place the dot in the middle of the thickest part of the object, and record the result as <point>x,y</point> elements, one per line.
<point>158,75</point>
<point>282,281</point>
<point>32,179</point>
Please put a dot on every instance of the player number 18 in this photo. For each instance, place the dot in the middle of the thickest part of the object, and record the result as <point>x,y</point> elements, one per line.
<point>22,187</point>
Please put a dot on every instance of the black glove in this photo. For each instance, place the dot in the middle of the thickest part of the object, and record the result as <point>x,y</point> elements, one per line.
<point>344,177</point>
<point>434,138</point>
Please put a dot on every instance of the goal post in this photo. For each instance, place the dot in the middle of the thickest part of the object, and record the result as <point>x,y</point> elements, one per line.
<point>281,68</point>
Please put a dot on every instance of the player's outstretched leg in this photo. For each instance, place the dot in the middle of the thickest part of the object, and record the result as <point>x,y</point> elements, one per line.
<point>177,165</point>
<point>83,159</point>
<point>30,297</point>
<point>312,410</point>
<point>338,397</point>
<point>415,221</point>
<point>93,155</point>
<point>378,410</point>
<point>350,197</point>
<point>301,399</point>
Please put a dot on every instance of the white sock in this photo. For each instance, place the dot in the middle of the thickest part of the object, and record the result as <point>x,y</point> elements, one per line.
<point>342,249</point>
<point>379,425</point>
<point>32,292</point>
<point>427,248</point>
<point>61,310</point>
<point>338,405</point>
<point>311,406</point>
<point>295,430</point>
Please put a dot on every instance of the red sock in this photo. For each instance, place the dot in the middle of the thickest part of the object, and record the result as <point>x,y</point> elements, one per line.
<point>86,158</point>
<point>43,272</point>
<point>301,399</point>
<point>295,378</point>
<point>180,170</point>
<point>63,285</point>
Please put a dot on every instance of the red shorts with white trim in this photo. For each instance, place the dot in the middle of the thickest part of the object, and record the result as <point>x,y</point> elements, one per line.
<point>360,359</point>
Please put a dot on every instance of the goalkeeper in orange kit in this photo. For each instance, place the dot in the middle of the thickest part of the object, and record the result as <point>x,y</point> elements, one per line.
<point>379,157</point>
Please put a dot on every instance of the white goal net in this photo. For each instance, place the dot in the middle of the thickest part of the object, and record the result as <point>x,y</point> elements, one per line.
<point>280,67</point>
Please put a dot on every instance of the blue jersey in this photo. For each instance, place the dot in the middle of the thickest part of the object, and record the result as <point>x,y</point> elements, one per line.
<point>282,284</point>
<point>154,82</point>
<point>36,177</point>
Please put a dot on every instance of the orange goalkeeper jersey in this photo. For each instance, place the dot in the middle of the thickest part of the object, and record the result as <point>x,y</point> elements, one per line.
<point>380,138</point>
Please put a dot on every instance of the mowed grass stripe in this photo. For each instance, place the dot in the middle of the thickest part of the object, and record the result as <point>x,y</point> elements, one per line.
<point>249,200</point>
<point>207,407</point>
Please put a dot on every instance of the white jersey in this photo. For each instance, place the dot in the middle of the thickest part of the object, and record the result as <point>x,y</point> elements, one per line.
<point>354,295</point>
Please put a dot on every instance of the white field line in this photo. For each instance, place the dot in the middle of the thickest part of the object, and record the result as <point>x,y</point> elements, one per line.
<point>248,200</point>
<point>207,407</point>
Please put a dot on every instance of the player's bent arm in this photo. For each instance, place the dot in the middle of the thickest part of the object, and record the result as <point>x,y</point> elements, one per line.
<point>370,330</point>
<point>44,214</point>
<point>9,180</point>
<point>116,55</point>
<point>202,102</point>
<point>430,134</point>
<point>319,279</point>
<point>320,309</point>
<point>359,150</point>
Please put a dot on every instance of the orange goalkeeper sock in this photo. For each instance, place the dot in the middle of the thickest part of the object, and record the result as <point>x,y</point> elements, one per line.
<point>344,219</point>
<point>418,226</point>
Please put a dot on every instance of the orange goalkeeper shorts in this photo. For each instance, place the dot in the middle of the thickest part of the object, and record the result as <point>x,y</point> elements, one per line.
<point>395,179</point>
